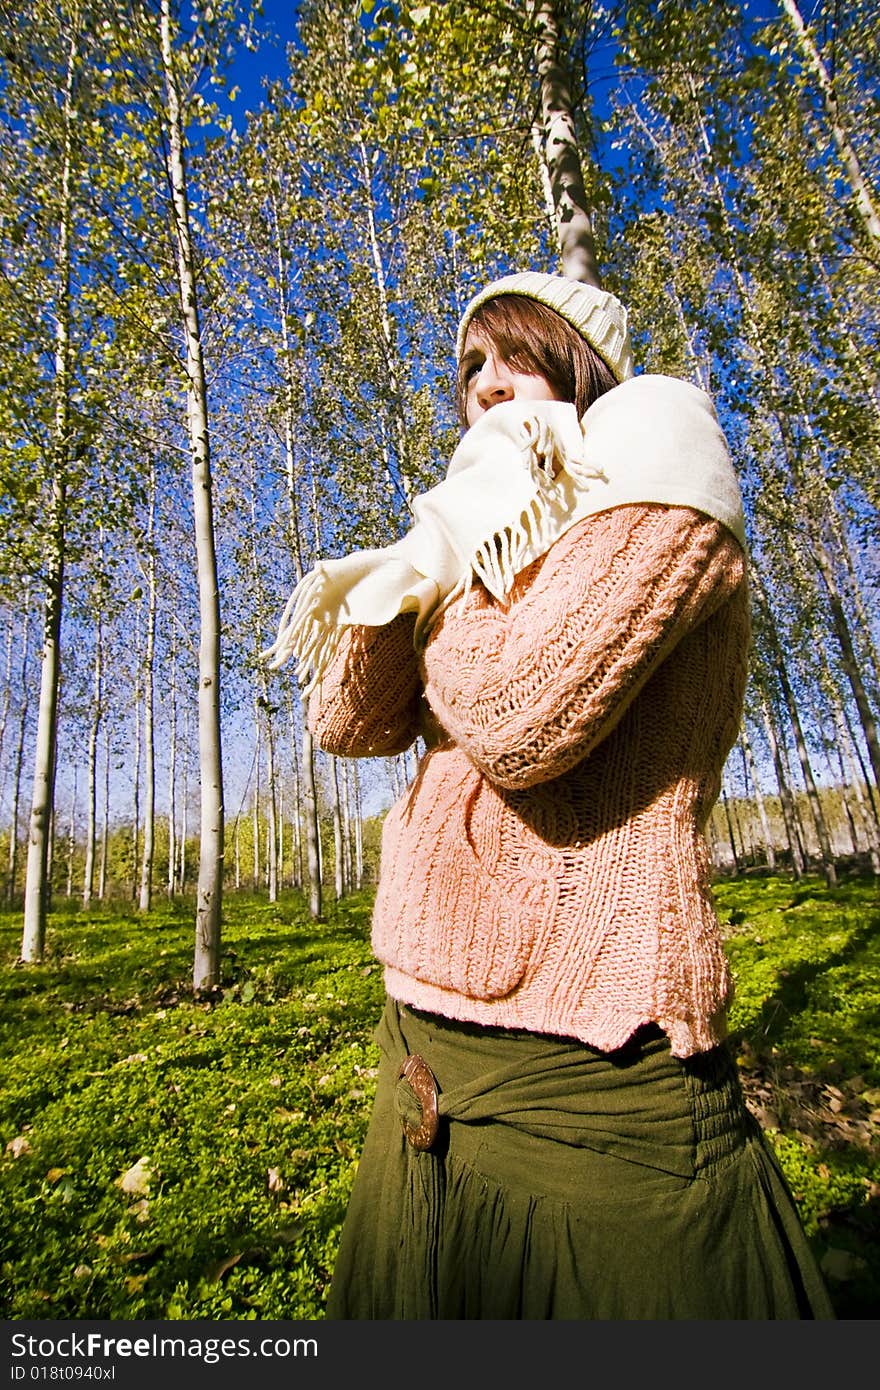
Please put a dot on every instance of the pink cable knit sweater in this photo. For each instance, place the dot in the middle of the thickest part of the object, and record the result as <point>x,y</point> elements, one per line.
<point>546,870</point>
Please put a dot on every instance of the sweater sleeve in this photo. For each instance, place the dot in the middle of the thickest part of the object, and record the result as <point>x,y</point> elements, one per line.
<point>369,701</point>
<point>529,687</point>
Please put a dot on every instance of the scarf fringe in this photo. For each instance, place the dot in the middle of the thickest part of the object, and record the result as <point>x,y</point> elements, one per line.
<point>499,559</point>
<point>302,634</point>
<point>510,549</point>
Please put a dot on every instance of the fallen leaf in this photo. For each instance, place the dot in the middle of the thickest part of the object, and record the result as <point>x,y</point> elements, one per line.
<point>18,1146</point>
<point>136,1180</point>
<point>274,1180</point>
<point>54,1174</point>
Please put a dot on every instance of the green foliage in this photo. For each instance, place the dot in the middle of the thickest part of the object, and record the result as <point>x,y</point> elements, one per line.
<point>167,1158</point>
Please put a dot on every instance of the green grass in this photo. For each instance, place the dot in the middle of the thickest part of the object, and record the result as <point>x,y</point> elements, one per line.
<point>164,1158</point>
<point>238,1122</point>
<point>806,1017</point>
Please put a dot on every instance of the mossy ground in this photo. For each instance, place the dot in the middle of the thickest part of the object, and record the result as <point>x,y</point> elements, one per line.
<point>163,1157</point>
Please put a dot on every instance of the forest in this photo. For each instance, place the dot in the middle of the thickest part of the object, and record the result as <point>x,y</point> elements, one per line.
<point>226,352</point>
<point>236,242</point>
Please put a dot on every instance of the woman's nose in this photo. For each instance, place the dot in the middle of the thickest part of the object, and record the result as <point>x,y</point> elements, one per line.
<point>494,384</point>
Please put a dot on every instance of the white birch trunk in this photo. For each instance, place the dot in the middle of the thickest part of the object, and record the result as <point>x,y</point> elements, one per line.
<point>12,867</point>
<point>338,861</point>
<point>71,838</point>
<point>574,225</point>
<point>136,787</point>
<point>255,811</point>
<point>37,880</point>
<point>839,134</point>
<point>358,831</point>
<point>206,959</point>
<point>92,769</point>
<point>172,768</point>
<point>105,818</point>
<point>146,892</point>
<point>184,809</point>
<point>309,786</point>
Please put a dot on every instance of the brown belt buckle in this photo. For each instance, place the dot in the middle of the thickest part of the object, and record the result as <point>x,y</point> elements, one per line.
<point>421,1079</point>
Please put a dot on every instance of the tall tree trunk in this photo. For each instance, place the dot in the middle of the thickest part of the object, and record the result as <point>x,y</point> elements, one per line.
<point>92,769</point>
<point>869,821</point>
<point>848,656</point>
<point>309,787</point>
<point>399,479</point>
<point>172,767</point>
<point>37,887</point>
<point>136,780</point>
<point>146,893</point>
<point>255,811</point>
<point>837,748</point>
<point>297,795</point>
<point>18,768</point>
<point>825,847</point>
<point>338,856</point>
<point>786,800</point>
<point>71,838</point>
<point>206,960</point>
<point>263,709</point>
<point>347,853</point>
<point>750,773</point>
<point>822,559</point>
<point>574,223</point>
<point>271,809</point>
<point>280,847</point>
<point>788,695</point>
<point>358,830</point>
<point>184,807</point>
<point>730,834</point>
<point>7,697</point>
<point>105,818</point>
<point>848,157</point>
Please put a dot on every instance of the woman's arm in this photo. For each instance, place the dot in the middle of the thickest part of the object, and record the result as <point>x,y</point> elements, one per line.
<point>369,700</point>
<point>530,686</point>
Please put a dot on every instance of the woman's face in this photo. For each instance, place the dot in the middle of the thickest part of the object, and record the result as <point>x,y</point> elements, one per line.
<point>489,380</point>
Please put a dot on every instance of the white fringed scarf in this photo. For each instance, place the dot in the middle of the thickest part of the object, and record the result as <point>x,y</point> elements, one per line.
<point>523,475</point>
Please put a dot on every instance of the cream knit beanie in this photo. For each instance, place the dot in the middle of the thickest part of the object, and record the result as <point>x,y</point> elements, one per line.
<point>598,316</point>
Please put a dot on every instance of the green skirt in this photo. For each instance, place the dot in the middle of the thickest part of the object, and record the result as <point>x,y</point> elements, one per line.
<point>566,1183</point>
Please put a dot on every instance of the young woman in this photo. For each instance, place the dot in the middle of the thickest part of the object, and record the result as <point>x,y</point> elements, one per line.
<point>558,1130</point>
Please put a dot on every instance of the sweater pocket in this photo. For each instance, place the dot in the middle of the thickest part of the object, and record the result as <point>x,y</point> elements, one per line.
<point>459,903</point>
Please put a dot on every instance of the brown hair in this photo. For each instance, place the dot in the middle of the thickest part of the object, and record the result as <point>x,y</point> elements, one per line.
<point>530,337</point>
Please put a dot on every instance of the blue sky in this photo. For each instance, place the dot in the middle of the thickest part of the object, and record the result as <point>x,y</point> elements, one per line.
<point>249,69</point>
